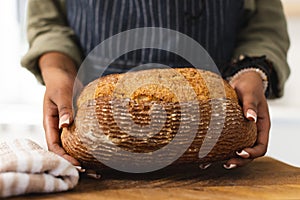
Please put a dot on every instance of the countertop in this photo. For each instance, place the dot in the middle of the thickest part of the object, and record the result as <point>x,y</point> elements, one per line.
<point>264,178</point>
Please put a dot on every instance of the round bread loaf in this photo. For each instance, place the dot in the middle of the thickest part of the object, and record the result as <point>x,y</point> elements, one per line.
<point>143,112</point>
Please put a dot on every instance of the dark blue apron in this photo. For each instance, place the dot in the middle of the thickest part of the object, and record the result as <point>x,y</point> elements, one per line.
<point>212,23</point>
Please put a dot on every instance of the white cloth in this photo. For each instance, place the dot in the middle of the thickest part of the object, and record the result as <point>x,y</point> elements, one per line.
<point>25,167</point>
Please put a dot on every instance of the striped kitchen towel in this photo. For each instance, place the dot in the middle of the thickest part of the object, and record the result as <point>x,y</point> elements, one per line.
<point>25,167</point>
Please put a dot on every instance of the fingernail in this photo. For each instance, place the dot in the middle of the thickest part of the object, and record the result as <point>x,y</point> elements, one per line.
<point>231,166</point>
<point>80,169</point>
<point>243,154</point>
<point>204,166</point>
<point>94,175</point>
<point>64,121</point>
<point>251,115</point>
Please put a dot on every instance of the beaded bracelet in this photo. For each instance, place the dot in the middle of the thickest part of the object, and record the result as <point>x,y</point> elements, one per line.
<point>252,69</point>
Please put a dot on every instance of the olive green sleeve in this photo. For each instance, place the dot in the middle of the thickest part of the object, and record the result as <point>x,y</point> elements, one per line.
<point>47,30</point>
<point>265,33</point>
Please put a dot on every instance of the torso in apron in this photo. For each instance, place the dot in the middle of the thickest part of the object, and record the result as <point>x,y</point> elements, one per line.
<point>212,23</point>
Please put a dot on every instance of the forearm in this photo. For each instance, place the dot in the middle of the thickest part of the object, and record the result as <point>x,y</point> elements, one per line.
<point>54,61</point>
<point>47,31</point>
<point>265,34</point>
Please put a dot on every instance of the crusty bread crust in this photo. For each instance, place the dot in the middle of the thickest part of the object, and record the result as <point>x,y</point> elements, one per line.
<point>174,90</point>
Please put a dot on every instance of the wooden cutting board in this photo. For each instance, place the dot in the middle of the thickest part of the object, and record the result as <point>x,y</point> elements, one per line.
<point>264,178</point>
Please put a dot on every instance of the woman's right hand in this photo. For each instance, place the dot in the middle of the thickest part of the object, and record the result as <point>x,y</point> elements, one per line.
<point>59,73</point>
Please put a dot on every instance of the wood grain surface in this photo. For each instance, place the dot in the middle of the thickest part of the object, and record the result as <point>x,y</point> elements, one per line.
<point>264,178</point>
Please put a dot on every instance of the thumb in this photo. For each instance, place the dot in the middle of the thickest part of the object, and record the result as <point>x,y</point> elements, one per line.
<point>65,112</point>
<point>250,107</point>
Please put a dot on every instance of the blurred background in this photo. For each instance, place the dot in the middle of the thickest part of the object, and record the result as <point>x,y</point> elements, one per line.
<point>22,96</point>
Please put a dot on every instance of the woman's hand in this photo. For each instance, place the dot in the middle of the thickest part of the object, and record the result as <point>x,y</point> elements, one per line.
<point>249,87</point>
<point>59,73</point>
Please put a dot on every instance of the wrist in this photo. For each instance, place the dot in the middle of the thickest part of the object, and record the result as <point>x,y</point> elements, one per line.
<point>56,61</point>
<point>261,63</point>
<point>57,68</point>
<point>249,71</point>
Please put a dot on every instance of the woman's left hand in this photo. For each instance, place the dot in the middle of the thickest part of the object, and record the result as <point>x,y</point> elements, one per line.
<point>249,88</point>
